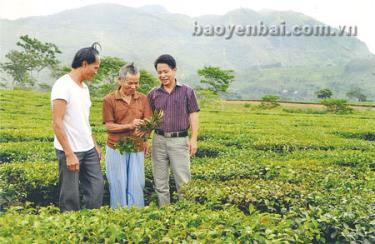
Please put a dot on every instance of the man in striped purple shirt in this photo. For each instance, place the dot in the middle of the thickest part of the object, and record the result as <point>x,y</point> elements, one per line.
<point>170,144</point>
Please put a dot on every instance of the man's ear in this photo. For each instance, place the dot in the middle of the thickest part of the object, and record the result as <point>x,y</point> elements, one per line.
<point>84,64</point>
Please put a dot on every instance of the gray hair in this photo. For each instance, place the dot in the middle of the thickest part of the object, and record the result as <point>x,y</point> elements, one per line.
<point>128,69</point>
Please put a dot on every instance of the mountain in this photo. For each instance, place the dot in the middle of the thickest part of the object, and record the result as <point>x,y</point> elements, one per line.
<point>262,65</point>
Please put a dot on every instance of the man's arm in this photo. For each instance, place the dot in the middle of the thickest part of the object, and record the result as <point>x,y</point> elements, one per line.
<point>113,127</point>
<point>108,118</point>
<point>58,112</point>
<point>99,151</point>
<point>194,123</point>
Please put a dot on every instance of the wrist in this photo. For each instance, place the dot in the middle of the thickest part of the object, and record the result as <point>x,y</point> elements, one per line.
<point>69,154</point>
<point>128,126</point>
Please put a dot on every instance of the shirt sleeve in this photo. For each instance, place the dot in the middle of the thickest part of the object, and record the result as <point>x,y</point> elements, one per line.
<point>192,103</point>
<point>108,111</point>
<point>147,109</point>
<point>151,100</point>
<point>60,91</point>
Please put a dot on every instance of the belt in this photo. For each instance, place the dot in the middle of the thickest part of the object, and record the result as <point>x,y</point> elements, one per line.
<point>171,134</point>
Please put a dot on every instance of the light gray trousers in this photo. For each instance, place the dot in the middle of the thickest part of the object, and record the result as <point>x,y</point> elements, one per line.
<point>169,153</point>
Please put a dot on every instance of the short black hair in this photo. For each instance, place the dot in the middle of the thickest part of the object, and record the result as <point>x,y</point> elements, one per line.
<point>165,59</point>
<point>87,54</point>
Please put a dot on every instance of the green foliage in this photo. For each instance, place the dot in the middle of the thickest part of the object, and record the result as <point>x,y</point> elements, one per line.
<point>152,123</point>
<point>266,176</point>
<point>60,70</point>
<point>147,82</point>
<point>304,110</point>
<point>129,144</point>
<point>35,56</point>
<point>217,79</point>
<point>108,71</point>
<point>106,79</point>
<point>324,93</point>
<point>26,151</point>
<point>269,102</point>
<point>208,98</point>
<point>183,222</point>
<point>28,181</point>
<point>126,145</point>
<point>337,105</point>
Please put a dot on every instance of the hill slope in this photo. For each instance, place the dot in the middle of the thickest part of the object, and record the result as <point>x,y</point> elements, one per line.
<point>141,34</point>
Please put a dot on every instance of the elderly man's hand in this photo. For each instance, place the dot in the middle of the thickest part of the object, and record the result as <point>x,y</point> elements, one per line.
<point>135,123</point>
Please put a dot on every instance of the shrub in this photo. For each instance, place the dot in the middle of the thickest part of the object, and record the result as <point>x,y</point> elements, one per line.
<point>179,223</point>
<point>269,101</point>
<point>337,106</point>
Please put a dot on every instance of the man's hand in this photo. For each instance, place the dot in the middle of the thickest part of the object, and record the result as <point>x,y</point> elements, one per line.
<point>193,146</point>
<point>135,123</point>
<point>146,149</point>
<point>72,162</point>
<point>99,151</point>
<point>139,133</point>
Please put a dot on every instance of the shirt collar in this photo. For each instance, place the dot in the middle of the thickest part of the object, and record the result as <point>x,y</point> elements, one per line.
<point>178,84</point>
<point>118,95</point>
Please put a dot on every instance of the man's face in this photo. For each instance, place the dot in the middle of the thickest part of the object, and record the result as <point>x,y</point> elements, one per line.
<point>90,70</point>
<point>166,75</point>
<point>129,84</point>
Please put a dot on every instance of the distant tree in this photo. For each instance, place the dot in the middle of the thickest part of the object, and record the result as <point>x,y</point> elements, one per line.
<point>59,70</point>
<point>336,105</point>
<point>147,82</point>
<point>105,80</point>
<point>357,93</point>
<point>217,79</point>
<point>34,56</point>
<point>270,101</point>
<point>108,71</point>
<point>208,99</point>
<point>324,93</point>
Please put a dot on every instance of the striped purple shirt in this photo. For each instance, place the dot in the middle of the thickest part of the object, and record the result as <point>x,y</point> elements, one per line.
<point>176,106</point>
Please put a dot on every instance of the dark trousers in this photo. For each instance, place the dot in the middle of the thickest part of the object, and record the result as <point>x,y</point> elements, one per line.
<point>89,178</point>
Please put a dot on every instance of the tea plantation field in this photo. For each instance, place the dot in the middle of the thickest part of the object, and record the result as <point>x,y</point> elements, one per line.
<point>260,176</point>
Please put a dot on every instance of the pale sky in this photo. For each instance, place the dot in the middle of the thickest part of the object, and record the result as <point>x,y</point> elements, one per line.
<point>335,12</point>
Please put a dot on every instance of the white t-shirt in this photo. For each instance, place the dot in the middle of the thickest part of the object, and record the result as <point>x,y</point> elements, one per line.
<point>76,118</point>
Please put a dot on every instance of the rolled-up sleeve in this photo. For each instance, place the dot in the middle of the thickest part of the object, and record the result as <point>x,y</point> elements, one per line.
<point>108,113</point>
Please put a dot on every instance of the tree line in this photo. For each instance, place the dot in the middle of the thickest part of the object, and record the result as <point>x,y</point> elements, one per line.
<point>34,56</point>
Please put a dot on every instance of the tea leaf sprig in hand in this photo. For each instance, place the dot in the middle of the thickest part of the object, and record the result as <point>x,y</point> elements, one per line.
<point>126,145</point>
<point>150,124</point>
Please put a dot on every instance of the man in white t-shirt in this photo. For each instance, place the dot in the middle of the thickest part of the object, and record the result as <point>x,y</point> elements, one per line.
<point>77,152</point>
